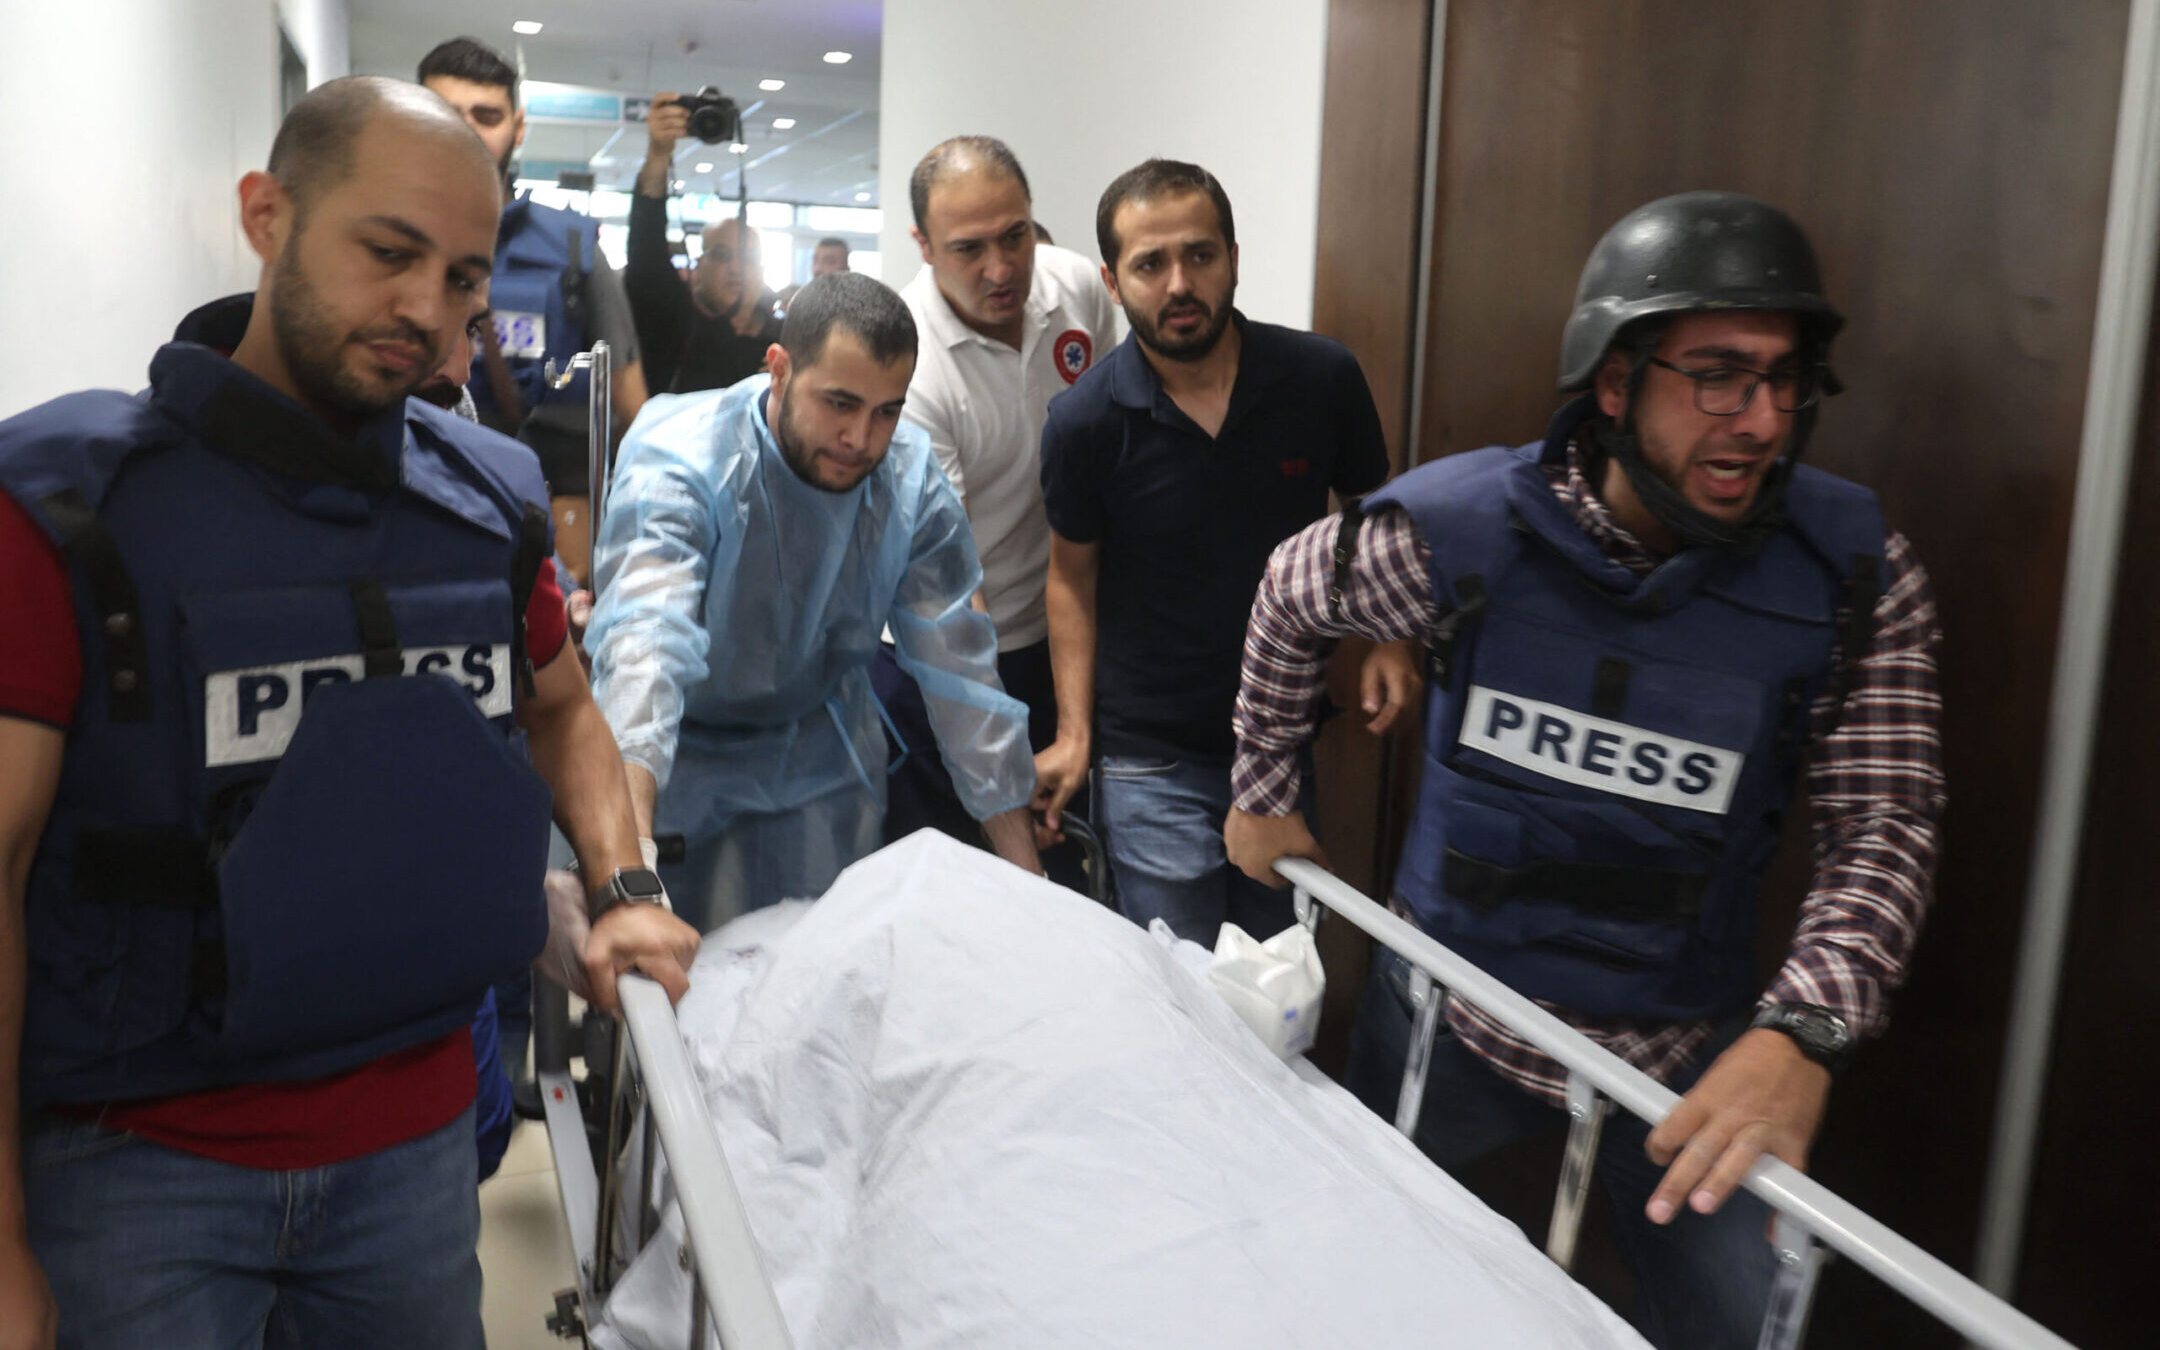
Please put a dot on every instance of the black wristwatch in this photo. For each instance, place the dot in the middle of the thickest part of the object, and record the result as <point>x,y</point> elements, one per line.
<point>630,886</point>
<point>1820,1033</point>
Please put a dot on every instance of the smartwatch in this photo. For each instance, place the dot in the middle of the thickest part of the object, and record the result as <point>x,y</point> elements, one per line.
<point>1820,1033</point>
<point>630,886</point>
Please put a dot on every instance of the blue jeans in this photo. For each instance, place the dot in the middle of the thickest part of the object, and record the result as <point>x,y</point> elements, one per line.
<point>1162,824</point>
<point>148,1246</point>
<point>1701,1282</point>
<point>493,1114</point>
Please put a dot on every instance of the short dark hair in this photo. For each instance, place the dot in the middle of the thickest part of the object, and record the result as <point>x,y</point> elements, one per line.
<point>470,59</point>
<point>948,157</point>
<point>1148,181</point>
<point>861,304</point>
<point>313,150</point>
<point>1042,234</point>
<point>829,241</point>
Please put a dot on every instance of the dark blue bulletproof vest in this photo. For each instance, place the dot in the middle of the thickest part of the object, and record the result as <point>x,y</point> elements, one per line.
<point>537,296</point>
<point>1607,756</point>
<point>226,890</point>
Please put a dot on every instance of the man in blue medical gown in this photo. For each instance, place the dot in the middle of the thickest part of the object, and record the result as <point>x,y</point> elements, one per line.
<point>757,542</point>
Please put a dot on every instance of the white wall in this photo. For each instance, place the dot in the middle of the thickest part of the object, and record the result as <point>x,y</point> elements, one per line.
<point>1084,89</point>
<point>127,126</point>
<point>321,33</point>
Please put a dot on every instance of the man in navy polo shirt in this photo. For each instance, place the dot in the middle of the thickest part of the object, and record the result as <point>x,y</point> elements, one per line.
<point>1170,471</point>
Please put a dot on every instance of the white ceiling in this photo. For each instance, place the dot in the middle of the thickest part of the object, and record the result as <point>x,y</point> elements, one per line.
<point>639,47</point>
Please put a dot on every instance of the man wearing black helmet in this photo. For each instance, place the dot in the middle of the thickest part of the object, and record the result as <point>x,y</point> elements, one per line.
<point>1645,627</point>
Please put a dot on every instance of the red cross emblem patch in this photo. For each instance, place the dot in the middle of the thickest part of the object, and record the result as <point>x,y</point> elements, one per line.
<point>1074,352</point>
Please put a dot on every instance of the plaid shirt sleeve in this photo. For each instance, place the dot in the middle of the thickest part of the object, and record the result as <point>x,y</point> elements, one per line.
<point>1387,597</point>
<point>1875,788</point>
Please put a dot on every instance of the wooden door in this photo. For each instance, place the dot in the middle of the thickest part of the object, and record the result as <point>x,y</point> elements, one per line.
<point>1950,160</point>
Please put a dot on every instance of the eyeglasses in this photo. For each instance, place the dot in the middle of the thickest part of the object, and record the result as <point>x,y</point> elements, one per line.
<point>1725,391</point>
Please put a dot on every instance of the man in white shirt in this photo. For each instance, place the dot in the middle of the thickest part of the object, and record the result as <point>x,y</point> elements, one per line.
<point>1006,325</point>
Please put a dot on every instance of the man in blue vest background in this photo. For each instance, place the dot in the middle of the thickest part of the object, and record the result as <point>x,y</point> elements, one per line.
<point>286,651</point>
<point>1645,628</point>
<point>554,295</point>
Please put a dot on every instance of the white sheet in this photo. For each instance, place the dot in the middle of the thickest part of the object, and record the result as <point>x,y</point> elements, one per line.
<point>967,1108</point>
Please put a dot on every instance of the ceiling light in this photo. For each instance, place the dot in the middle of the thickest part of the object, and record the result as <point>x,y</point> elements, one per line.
<point>862,196</point>
<point>527,27</point>
<point>838,58</point>
<point>783,124</point>
<point>680,185</point>
<point>737,148</point>
<point>704,168</point>
<point>772,86</point>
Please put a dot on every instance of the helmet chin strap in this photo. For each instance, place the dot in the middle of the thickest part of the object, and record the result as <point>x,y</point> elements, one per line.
<point>1692,527</point>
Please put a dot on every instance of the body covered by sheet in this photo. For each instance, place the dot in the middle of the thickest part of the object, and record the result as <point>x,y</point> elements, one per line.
<point>967,1108</point>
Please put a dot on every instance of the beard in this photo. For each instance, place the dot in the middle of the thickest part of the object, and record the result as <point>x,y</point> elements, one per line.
<point>313,350</point>
<point>441,392</point>
<point>1148,327</point>
<point>800,457</point>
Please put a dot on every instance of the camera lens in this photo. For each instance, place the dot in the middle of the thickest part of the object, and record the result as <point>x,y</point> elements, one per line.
<point>713,116</point>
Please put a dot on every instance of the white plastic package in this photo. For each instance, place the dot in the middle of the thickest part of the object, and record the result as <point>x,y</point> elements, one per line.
<point>1275,986</point>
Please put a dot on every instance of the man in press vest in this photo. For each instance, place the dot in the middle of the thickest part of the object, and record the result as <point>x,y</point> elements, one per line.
<point>1645,628</point>
<point>286,713</point>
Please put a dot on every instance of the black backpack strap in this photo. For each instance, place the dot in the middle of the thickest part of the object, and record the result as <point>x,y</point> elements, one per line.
<point>1440,647</point>
<point>1863,588</point>
<point>1346,537</point>
<point>532,551</point>
<point>529,525</point>
<point>380,653</point>
<point>113,596</point>
<point>141,865</point>
<point>1609,687</point>
<point>573,277</point>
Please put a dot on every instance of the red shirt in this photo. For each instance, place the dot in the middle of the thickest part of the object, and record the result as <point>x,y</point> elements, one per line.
<point>41,660</point>
<point>387,1101</point>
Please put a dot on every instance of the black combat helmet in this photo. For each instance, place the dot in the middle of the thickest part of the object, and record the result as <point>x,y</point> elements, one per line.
<point>1684,254</point>
<point>1688,254</point>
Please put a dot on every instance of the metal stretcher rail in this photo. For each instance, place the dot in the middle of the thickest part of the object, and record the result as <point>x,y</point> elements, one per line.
<point>646,1072</point>
<point>729,1271</point>
<point>1807,1211</point>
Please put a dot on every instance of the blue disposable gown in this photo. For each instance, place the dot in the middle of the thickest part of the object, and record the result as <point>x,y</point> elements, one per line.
<point>739,609</point>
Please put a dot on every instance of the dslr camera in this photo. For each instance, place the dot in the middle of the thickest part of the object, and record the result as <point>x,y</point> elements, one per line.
<point>713,115</point>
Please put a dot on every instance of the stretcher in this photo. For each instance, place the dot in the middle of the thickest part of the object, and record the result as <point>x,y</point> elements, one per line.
<point>652,1119</point>
<point>640,1111</point>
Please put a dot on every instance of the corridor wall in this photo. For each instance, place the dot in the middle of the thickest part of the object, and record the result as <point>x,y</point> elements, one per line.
<point>1082,92</point>
<point>128,124</point>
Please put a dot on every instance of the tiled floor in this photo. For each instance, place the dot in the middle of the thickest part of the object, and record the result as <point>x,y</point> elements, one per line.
<point>524,1250</point>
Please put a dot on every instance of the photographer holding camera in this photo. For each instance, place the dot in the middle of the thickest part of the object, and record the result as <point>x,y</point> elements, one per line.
<point>718,330</point>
